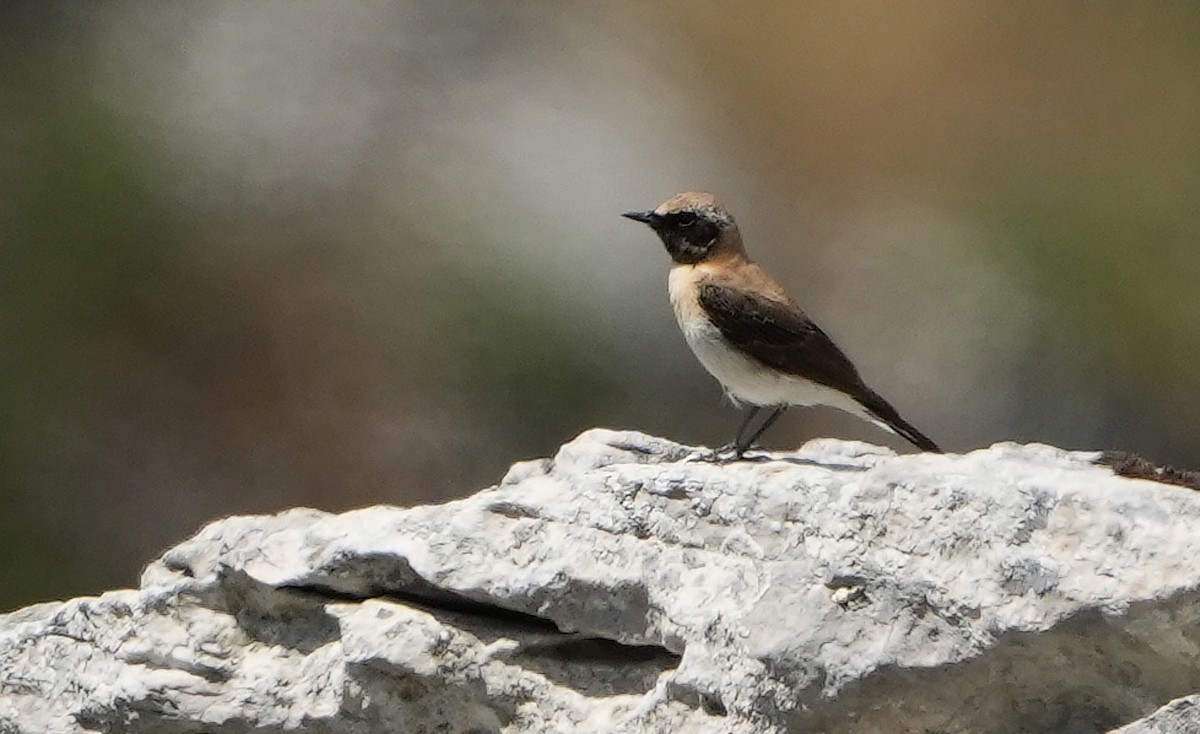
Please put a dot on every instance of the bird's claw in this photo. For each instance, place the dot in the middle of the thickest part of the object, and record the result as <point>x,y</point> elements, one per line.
<point>703,455</point>
<point>728,454</point>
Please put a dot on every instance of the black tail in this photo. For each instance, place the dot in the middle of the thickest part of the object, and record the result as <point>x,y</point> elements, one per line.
<point>887,415</point>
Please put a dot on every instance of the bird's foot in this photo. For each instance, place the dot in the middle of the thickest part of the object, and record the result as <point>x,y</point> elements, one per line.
<point>722,455</point>
<point>701,455</point>
<point>728,454</point>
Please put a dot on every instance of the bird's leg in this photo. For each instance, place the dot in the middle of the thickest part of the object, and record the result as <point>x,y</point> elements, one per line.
<point>737,439</point>
<point>732,447</point>
<point>741,446</point>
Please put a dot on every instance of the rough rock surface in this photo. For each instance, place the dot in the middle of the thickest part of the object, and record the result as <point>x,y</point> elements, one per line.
<point>1181,716</point>
<point>623,587</point>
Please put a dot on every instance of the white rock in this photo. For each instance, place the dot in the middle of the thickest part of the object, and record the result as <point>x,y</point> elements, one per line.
<point>621,587</point>
<point>1181,716</point>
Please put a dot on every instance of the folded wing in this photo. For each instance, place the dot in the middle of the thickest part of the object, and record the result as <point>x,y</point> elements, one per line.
<point>781,336</point>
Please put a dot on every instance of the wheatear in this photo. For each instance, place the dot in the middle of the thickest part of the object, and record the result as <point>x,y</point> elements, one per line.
<point>748,332</point>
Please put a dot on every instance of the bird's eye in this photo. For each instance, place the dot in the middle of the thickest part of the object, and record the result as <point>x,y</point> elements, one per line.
<point>686,219</point>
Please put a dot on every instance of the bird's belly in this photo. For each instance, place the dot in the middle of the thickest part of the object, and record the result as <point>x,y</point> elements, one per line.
<point>747,381</point>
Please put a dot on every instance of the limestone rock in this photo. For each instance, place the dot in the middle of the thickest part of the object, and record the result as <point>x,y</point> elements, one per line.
<point>624,586</point>
<point>1181,716</point>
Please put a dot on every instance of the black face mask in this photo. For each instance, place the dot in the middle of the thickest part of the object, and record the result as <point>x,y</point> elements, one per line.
<point>687,237</point>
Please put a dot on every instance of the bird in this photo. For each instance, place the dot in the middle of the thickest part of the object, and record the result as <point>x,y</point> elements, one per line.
<point>749,333</point>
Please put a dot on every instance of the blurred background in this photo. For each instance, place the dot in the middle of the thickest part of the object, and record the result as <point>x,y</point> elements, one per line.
<point>260,255</point>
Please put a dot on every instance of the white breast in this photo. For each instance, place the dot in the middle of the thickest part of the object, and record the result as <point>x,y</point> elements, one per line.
<point>745,380</point>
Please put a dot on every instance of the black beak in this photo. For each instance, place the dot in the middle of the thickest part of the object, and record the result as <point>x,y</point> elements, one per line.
<point>643,217</point>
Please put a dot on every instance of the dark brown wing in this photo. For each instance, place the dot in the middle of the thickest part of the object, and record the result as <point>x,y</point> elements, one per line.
<point>782,337</point>
<point>779,335</point>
